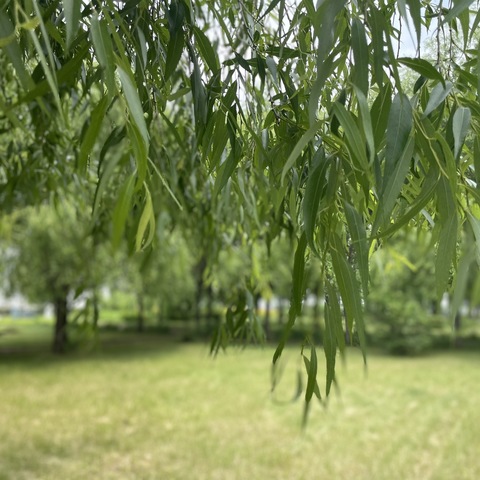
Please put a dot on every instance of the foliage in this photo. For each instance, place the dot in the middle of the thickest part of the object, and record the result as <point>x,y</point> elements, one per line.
<point>54,258</point>
<point>245,120</point>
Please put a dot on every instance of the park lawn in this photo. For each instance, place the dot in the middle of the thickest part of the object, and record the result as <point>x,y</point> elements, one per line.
<point>169,411</point>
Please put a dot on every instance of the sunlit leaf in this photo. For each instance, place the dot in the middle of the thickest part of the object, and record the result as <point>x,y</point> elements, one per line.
<point>461,124</point>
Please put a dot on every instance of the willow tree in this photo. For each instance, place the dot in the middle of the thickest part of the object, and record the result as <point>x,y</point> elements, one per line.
<point>264,116</point>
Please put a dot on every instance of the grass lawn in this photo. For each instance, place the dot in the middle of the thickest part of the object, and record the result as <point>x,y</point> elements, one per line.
<point>162,410</point>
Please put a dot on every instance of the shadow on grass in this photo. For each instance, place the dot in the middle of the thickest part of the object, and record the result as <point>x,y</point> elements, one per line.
<point>31,346</point>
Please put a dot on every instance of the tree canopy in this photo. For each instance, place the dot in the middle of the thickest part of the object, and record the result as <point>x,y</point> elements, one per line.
<point>249,120</point>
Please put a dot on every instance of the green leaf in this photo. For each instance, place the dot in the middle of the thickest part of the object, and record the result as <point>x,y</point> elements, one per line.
<point>298,291</point>
<point>437,96</point>
<point>206,49</point>
<point>415,12</point>
<point>349,290</point>
<point>360,55</point>
<point>102,44</point>
<point>174,52</point>
<point>323,22</point>
<point>121,210</point>
<point>458,7</point>
<point>72,17</point>
<point>399,126</point>
<point>366,121</point>
<point>358,233</point>
<point>475,225</point>
<point>14,53</point>
<point>355,140</point>
<point>336,316</point>
<point>133,102</point>
<point>329,346</point>
<point>224,173</point>
<point>447,241</point>
<point>312,367</point>
<point>92,132</point>
<point>146,224</point>
<point>297,150</point>
<point>379,113</point>
<point>392,186</point>
<point>314,190</point>
<point>423,67</point>
<point>461,280</point>
<point>421,200</point>
<point>460,126</point>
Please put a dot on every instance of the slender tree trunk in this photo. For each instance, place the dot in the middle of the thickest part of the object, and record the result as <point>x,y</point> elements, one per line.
<point>141,313</point>
<point>60,338</point>
<point>266,324</point>
<point>96,310</point>
<point>199,271</point>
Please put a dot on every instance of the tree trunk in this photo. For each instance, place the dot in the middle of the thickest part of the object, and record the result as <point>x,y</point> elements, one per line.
<point>141,313</point>
<point>60,338</point>
<point>199,271</point>
<point>266,324</point>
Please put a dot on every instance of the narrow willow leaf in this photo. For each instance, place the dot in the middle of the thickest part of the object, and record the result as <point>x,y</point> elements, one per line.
<point>460,126</point>
<point>399,126</point>
<point>358,233</point>
<point>312,367</point>
<point>314,190</point>
<point>355,141</point>
<point>174,52</point>
<point>49,74</point>
<point>104,178</point>
<point>91,134</point>
<point>377,29</point>
<point>447,240</point>
<point>298,291</point>
<point>447,245</point>
<point>366,121</point>
<point>423,67</point>
<point>140,153</point>
<point>475,225</point>
<point>206,49</point>
<point>391,188</point>
<point>121,211</point>
<point>306,138</point>
<point>324,21</point>
<point>379,113</point>
<point>349,290</point>
<point>415,13</point>
<point>102,44</point>
<point>329,346</point>
<point>146,225</point>
<point>133,102</point>
<point>14,52</point>
<point>437,96</point>
<point>476,158</point>
<point>219,139</point>
<point>421,200</point>
<point>72,17</point>
<point>458,7</point>
<point>360,55</point>
<point>224,173</point>
<point>461,280</point>
<point>336,316</point>
<point>200,106</point>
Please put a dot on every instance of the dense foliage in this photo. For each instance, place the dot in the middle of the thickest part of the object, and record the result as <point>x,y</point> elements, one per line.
<point>248,119</point>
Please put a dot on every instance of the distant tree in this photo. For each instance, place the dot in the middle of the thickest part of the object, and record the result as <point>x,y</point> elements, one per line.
<point>54,260</point>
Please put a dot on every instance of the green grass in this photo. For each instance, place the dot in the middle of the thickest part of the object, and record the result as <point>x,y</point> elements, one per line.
<point>145,408</point>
